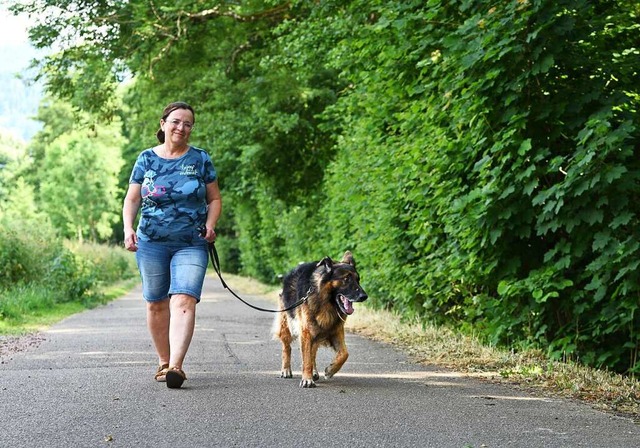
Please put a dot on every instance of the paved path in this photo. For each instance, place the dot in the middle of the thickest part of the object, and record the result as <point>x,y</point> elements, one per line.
<point>89,384</point>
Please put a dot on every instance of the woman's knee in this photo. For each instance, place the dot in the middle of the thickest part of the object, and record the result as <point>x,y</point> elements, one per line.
<point>158,306</point>
<point>183,301</point>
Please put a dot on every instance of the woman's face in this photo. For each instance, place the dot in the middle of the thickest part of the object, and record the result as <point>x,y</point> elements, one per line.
<point>177,126</point>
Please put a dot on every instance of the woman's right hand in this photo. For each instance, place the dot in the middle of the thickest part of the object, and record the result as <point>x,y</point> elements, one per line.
<point>129,212</point>
<point>130,240</point>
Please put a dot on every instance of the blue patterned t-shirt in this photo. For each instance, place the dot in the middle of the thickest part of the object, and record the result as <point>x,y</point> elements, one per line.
<point>173,191</point>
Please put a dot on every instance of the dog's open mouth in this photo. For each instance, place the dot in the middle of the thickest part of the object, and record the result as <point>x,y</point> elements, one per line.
<point>345,304</point>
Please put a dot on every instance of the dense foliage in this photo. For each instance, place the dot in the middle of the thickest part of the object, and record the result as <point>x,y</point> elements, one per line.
<point>511,138</point>
<point>38,271</point>
<point>481,160</point>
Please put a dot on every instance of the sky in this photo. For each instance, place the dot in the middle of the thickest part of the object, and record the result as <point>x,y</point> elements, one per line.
<point>14,29</point>
<point>14,42</point>
<point>18,101</point>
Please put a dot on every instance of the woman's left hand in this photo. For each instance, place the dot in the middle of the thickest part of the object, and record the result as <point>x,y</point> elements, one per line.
<point>209,234</point>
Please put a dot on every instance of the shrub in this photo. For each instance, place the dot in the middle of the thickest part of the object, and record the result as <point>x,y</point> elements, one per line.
<point>38,270</point>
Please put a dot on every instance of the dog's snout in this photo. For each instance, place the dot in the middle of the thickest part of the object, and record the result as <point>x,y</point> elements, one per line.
<point>362,296</point>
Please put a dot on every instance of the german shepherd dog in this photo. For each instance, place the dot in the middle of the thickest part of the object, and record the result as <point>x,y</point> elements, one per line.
<point>330,289</point>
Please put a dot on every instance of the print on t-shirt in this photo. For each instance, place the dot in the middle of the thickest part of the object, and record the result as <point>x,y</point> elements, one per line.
<point>150,189</point>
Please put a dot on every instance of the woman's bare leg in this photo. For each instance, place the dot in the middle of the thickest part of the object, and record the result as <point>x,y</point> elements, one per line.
<point>158,316</point>
<point>181,326</point>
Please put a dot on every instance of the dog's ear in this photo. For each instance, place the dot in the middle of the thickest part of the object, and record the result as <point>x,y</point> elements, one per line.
<point>326,263</point>
<point>348,259</point>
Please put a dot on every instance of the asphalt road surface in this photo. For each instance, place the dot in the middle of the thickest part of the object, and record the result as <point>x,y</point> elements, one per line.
<point>88,382</point>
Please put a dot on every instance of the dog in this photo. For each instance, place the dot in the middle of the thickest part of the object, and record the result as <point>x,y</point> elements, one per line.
<point>330,290</point>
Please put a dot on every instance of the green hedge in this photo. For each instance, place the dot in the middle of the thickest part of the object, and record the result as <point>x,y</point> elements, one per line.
<point>484,167</point>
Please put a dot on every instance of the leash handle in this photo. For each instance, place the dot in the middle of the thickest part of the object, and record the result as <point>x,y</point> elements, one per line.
<point>215,262</point>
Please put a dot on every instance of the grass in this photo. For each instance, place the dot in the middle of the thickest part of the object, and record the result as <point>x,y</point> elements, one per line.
<point>530,370</point>
<point>40,318</point>
<point>74,277</point>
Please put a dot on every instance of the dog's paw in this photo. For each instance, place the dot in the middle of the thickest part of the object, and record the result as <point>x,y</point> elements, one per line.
<point>286,374</point>
<point>328,374</point>
<point>307,383</point>
<point>316,375</point>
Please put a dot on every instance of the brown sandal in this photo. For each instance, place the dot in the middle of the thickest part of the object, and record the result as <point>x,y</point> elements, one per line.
<point>161,373</point>
<point>175,377</point>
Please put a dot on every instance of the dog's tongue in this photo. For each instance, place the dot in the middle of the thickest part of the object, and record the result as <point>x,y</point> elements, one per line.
<point>348,307</point>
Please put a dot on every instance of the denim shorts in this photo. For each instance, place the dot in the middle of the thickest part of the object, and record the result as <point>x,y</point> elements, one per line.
<point>171,268</point>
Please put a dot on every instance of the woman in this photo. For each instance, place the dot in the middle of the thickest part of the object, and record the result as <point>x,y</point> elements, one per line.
<point>175,186</point>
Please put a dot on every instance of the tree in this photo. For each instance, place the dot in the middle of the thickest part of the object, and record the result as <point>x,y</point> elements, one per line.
<point>17,196</point>
<point>101,43</point>
<point>78,182</point>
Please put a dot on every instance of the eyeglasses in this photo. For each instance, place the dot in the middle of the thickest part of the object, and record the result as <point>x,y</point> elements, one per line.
<point>185,124</point>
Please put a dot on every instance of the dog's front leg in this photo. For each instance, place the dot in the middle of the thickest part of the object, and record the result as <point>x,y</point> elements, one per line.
<point>309,349</point>
<point>341,355</point>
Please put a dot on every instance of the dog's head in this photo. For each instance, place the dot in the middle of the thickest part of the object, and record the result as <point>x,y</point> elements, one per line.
<point>341,282</point>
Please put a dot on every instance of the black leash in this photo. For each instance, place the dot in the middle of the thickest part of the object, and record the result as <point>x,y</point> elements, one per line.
<point>215,262</point>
